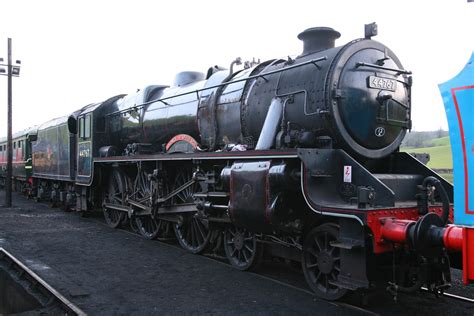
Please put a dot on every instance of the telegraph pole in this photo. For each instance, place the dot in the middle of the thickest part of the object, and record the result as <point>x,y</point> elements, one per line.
<point>8,184</point>
<point>12,71</point>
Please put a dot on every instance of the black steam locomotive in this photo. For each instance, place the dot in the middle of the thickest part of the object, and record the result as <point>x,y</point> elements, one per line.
<point>294,158</point>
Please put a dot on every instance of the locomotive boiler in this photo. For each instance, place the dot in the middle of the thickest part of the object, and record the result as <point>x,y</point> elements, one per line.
<point>296,158</point>
<point>356,96</point>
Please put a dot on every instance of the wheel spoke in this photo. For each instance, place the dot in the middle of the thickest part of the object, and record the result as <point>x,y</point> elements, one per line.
<point>312,252</point>
<point>195,233</point>
<point>248,248</point>
<point>318,276</point>
<point>311,266</point>
<point>317,243</point>
<point>245,256</point>
<point>198,224</point>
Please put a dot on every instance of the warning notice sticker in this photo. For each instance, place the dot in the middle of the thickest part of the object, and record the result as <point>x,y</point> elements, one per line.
<point>348,174</point>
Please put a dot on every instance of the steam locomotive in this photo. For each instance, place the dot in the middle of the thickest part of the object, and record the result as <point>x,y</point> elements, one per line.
<point>295,158</point>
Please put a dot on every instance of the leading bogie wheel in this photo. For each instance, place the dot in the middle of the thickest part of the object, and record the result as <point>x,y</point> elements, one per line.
<point>241,248</point>
<point>321,262</point>
<point>115,193</point>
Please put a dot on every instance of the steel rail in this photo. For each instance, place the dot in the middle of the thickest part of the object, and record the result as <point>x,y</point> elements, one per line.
<point>66,305</point>
<point>453,296</point>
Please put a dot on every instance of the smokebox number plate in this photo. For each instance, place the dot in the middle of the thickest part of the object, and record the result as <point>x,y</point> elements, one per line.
<point>382,83</point>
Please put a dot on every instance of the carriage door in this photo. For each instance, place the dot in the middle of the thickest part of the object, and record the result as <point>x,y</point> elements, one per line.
<point>84,148</point>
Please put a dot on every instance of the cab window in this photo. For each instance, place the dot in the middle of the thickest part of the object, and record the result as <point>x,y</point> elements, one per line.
<point>87,126</point>
<point>81,127</point>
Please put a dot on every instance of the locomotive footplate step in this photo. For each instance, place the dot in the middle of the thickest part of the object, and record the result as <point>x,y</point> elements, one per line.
<point>107,271</point>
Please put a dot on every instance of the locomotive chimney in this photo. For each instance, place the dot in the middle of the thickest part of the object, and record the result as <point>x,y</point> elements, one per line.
<point>316,39</point>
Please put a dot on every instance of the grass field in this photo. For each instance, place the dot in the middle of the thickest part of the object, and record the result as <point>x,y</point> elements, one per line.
<point>440,155</point>
<point>439,150</point>
<point>443,141</point>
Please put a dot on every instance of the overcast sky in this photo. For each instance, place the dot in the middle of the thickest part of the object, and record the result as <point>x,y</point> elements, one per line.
<point>78,52</point>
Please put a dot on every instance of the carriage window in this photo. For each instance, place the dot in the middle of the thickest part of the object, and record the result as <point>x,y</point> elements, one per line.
<point>87,126</point>
<point>14,145</point>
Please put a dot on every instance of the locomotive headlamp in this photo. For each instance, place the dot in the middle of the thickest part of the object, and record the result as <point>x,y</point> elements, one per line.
<point>371,30</point>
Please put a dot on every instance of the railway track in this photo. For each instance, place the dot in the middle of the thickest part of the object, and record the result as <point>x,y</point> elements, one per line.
<point>47,296</point>
<point>453,296</point>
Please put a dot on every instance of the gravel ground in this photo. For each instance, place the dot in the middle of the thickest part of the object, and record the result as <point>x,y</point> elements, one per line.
<point>106,271</point>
